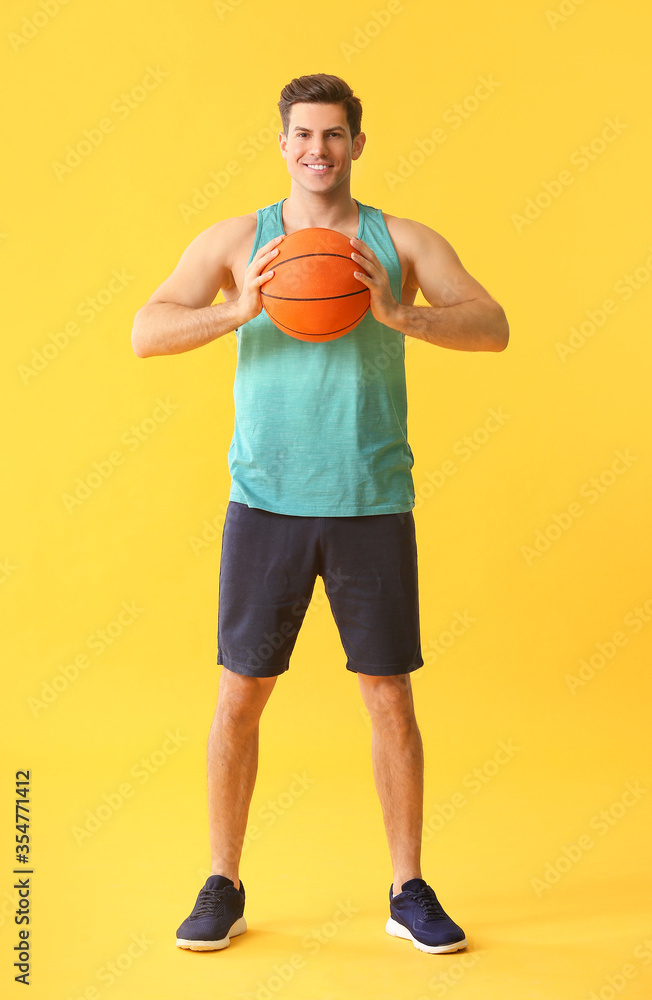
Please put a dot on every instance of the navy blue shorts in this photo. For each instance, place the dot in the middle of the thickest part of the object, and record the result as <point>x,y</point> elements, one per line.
<point>268,568</point>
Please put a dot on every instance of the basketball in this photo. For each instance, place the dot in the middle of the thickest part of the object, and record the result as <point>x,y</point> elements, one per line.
<point>313,294</point>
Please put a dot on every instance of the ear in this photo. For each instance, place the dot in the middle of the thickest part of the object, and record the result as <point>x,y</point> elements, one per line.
<point>283,143</point>
<point>358,145</point>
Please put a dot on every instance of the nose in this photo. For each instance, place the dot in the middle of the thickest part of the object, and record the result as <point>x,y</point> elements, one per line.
<point>318,147</point>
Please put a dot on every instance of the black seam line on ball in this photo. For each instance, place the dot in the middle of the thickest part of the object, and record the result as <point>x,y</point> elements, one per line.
<point>318,298</point>
<point>330,332</point>
<point>325,253</point>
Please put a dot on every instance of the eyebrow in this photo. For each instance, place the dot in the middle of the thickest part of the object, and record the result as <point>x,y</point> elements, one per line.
<point>333,128</point>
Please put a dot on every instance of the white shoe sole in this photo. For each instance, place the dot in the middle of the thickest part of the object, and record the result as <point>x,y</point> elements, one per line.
<point>239,927</point>
<point>398,930</point>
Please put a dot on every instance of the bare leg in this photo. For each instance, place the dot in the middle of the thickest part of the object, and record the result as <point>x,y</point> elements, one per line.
<point>397,755</point>
<point>232,760</point>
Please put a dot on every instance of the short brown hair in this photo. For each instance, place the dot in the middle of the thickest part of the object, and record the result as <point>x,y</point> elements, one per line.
<point>321,88</point>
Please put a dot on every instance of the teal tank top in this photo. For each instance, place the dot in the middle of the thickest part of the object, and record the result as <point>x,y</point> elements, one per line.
<point>321,428</point>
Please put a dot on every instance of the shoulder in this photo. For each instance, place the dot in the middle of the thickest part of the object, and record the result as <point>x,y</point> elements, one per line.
<point>233,229</point>
<point>413,235</point>
<point>414,241</point>
<point>226,242</point>
<point>225,235</point>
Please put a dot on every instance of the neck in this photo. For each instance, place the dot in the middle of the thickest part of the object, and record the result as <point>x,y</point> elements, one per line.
<point>308,209</point>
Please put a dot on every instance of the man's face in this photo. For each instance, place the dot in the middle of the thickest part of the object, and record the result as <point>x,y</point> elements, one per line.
<point>318,146</point>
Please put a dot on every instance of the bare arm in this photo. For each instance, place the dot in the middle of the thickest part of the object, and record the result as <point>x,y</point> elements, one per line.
<point>462,315</point>
<point>179,316</point>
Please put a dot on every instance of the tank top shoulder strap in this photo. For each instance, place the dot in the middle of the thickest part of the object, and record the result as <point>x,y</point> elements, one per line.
<point>269,223</point>
<point>373,230</point>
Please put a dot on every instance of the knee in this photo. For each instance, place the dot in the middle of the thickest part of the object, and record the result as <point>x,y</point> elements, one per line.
<point>389,701</point>
<point>241,699</point>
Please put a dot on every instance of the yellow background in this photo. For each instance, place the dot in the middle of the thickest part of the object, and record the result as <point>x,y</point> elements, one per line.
<point>491,843</point>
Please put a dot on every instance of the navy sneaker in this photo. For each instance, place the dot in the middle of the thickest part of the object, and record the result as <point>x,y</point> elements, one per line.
<point>416,915</point>
<point>216,917</point>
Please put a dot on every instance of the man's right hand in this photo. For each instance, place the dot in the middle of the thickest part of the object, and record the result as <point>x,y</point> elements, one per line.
<point>249,303</point>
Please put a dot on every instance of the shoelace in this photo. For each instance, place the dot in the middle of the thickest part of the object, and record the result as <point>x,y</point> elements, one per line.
<point>429,903</point>
<point>210,903</point>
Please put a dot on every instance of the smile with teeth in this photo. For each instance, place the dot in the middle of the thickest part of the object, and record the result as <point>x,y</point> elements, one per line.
<point>317,166</point>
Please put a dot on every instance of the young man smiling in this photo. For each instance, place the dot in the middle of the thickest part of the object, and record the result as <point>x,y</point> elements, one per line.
<point>321,484</point>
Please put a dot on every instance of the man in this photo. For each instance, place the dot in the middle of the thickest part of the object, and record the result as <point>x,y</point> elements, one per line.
<point>321,484</point>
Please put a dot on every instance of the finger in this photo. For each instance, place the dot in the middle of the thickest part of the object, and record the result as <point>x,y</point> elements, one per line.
<point>362,248</point>
<point>363,260</point>
<point>267,246</point>
<point>260,262</point>
<point>369,258</point>
<point>267,257</point>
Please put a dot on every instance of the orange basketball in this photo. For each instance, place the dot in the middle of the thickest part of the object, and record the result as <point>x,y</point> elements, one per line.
<point>313,294</point>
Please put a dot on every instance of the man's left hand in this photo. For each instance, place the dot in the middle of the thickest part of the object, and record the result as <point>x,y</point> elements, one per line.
<point>382,302</point>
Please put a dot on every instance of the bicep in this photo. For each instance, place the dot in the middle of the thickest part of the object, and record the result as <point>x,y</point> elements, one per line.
<point>202,270</point>
<point>437,270</point>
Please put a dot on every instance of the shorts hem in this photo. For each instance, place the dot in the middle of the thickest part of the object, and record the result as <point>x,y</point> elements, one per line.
<point>248,671</point>
<point>383,671</point>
